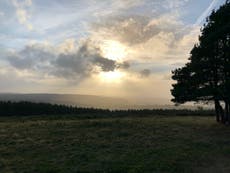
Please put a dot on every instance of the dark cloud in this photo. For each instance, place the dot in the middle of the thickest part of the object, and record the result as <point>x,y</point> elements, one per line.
<point>145,73</point>
<point>30,57</point>
<point>82,63</point>
<point>20,62</point>
<point>105,64</point>
<point>123,65</point>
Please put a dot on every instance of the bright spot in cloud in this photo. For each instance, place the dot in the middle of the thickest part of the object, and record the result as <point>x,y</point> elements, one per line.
<point>111,76</point>
<point>113,50</point>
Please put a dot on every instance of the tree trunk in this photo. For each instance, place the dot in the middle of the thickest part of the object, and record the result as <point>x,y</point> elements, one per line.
<point>220,112</point>
<point>226,112</point>
<point>217,109</point>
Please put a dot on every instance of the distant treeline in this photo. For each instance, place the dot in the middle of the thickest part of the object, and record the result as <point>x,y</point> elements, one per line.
<point>28,109</point>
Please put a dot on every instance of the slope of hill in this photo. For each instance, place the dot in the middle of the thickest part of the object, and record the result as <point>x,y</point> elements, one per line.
<point>94,101</point>
<point>69,99</point>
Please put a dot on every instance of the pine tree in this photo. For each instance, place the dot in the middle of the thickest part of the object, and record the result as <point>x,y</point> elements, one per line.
<point>207,75</point>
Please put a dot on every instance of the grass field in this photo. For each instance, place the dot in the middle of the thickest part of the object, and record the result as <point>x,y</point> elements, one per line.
<point>114,145</point>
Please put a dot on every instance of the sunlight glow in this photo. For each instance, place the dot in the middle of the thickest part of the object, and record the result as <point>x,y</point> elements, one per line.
<point>113,50</point>
<point>111,77</point>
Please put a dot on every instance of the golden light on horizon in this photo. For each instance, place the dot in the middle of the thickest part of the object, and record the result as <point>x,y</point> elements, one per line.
<point>113,50</point>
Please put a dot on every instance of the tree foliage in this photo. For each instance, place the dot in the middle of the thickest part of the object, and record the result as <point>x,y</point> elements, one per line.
<point>23,108</point>
<point>206,77</point>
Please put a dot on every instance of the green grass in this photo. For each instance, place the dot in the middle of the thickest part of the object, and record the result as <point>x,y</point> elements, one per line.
<point>114,145</point>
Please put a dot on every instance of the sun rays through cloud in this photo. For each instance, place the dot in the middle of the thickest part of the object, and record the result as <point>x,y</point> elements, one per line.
<point>113,50</point>
<point>128,45</point>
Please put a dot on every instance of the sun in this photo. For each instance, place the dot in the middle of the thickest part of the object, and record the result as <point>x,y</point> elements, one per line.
<point>113,50</point>
<point>111,76</point>
<point>116,51</point>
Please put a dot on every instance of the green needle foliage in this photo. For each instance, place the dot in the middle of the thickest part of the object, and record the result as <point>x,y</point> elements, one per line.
<point>206,77</point>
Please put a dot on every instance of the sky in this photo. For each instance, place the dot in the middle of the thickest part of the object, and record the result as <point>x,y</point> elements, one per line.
<point>122,48</point>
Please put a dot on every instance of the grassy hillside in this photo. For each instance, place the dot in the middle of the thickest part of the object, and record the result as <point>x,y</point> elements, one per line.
<point>147,144</point>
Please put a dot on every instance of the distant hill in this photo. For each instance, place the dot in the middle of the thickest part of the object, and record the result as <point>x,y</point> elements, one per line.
<point>69,99</point>
<point>91,101</point>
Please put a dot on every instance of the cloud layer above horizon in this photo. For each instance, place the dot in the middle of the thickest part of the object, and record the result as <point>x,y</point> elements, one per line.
<point>124,48</point>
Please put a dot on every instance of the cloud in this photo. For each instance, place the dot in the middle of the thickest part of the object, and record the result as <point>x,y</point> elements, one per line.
<point>127,29</point>
<point>2,13</point>
<point>163,39</point>
<point>84,62</point>
<point>145,73</point>
<point>71,62</point>
<point>123,65</point>
<point>151,41</point>
<point>23,18</point>
<point>22,13</point>
<point>124,4</point>
<point>32,57</point>
<point>136,30</point>
<point>174,4</point>
<point>111,7</point>
<point>105,64</point>
<point>152,34</point>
